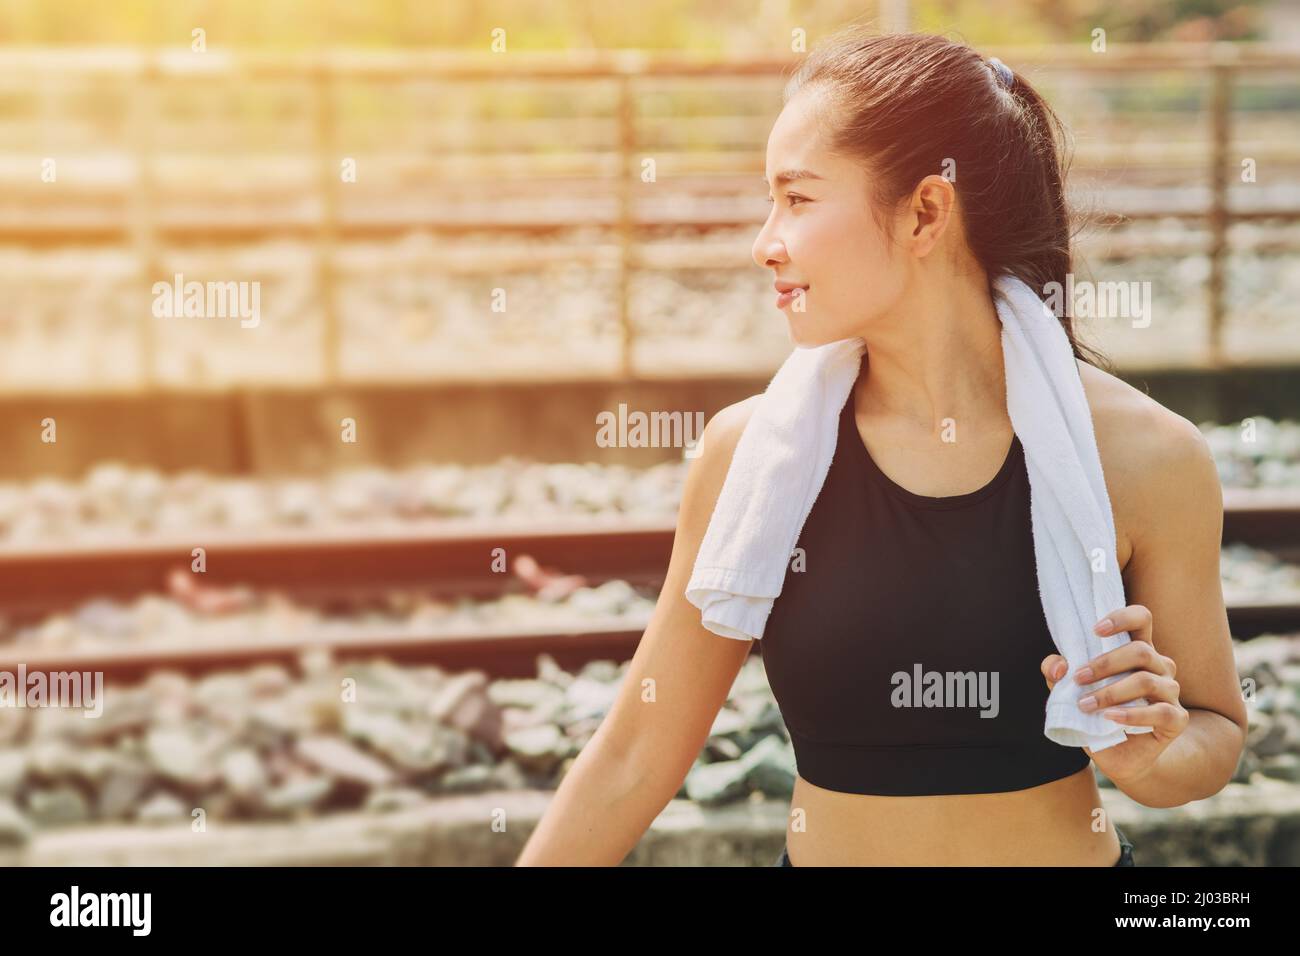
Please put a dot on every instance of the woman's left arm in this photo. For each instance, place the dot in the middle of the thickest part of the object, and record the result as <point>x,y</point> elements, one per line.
<point>1181,649</point>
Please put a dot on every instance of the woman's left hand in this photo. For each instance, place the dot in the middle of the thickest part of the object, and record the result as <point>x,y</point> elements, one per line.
<point>1152,678</point>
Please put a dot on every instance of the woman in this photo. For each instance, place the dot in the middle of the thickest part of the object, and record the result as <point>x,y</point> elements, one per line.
<point>907,171</point>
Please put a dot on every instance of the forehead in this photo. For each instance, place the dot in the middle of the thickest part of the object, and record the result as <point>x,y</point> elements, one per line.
<point>796,141</point>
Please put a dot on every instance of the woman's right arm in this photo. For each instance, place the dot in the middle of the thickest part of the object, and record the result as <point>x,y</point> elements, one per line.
<point>676,683</point>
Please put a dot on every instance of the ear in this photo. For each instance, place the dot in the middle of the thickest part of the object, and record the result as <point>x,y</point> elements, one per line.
<point>930,211</point>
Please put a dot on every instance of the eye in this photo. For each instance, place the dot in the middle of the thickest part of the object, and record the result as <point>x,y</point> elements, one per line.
<point>791,196</point>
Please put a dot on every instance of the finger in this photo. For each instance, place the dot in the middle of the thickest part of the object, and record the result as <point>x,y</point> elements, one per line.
<point>1136,686</point>
<point>1135,655</point>
<point>1163,716</point>
<point>1054,667</point>
<point>1136,619</point>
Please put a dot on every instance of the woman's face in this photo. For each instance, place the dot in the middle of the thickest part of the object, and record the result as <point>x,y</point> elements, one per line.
<point>821,234</point>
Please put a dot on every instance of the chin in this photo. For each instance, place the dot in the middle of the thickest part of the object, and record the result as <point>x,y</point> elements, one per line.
<point>804,338</point>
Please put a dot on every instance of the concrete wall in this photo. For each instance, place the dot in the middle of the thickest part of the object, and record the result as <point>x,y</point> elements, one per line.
<point>1255,824</point>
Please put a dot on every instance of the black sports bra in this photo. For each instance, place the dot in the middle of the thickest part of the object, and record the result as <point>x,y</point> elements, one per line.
<point>905,646</point>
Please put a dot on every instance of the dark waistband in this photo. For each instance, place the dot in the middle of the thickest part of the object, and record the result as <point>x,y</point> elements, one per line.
<point>1125,852</point>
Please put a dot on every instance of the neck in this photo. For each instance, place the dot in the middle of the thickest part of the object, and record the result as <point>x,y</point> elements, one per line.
<point>937,355</point>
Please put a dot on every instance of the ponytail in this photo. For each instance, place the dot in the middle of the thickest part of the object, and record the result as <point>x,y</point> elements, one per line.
<point>913,104</point>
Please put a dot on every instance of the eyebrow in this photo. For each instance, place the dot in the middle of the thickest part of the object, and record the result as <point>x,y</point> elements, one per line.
<point>791,175</point>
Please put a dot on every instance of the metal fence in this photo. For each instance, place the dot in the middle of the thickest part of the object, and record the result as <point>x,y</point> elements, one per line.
<point>714,187</point>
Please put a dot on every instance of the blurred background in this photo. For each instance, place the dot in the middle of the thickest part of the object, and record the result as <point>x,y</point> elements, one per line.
<point>339,529</point>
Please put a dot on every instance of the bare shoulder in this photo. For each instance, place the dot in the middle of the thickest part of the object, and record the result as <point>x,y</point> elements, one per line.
<point>722,434</point>
<point>1158,464</point>
<point>731,420</point>
<point>1141,435</point>
<point>708,471</point>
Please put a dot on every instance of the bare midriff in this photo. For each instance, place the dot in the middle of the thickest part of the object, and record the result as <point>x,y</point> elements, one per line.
<point>1054,824</point>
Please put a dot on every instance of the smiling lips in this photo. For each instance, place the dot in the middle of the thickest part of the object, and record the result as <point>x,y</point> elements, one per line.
<point>785,293</point>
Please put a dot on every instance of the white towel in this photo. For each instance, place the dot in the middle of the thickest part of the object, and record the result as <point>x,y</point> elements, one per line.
<point>784,453</point>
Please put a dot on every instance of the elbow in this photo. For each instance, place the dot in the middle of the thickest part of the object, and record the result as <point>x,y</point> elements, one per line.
<point>633,764</point>
<point>1226,768</point>
<point>1238,751</point>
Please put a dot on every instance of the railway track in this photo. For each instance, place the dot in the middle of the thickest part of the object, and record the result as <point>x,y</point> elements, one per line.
<point>446,558</point>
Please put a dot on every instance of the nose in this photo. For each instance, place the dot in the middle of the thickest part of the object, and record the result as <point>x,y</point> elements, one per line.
<point>768,249</point>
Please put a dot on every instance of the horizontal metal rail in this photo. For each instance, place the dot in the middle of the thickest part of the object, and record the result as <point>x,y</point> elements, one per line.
<point>623,211</point>
<point>443,558</point>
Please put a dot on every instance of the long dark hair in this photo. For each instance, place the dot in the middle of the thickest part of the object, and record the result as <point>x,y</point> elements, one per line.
<point>912,104</point>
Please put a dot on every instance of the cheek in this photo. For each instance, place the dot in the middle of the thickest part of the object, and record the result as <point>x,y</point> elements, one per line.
<point>850,257</point>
